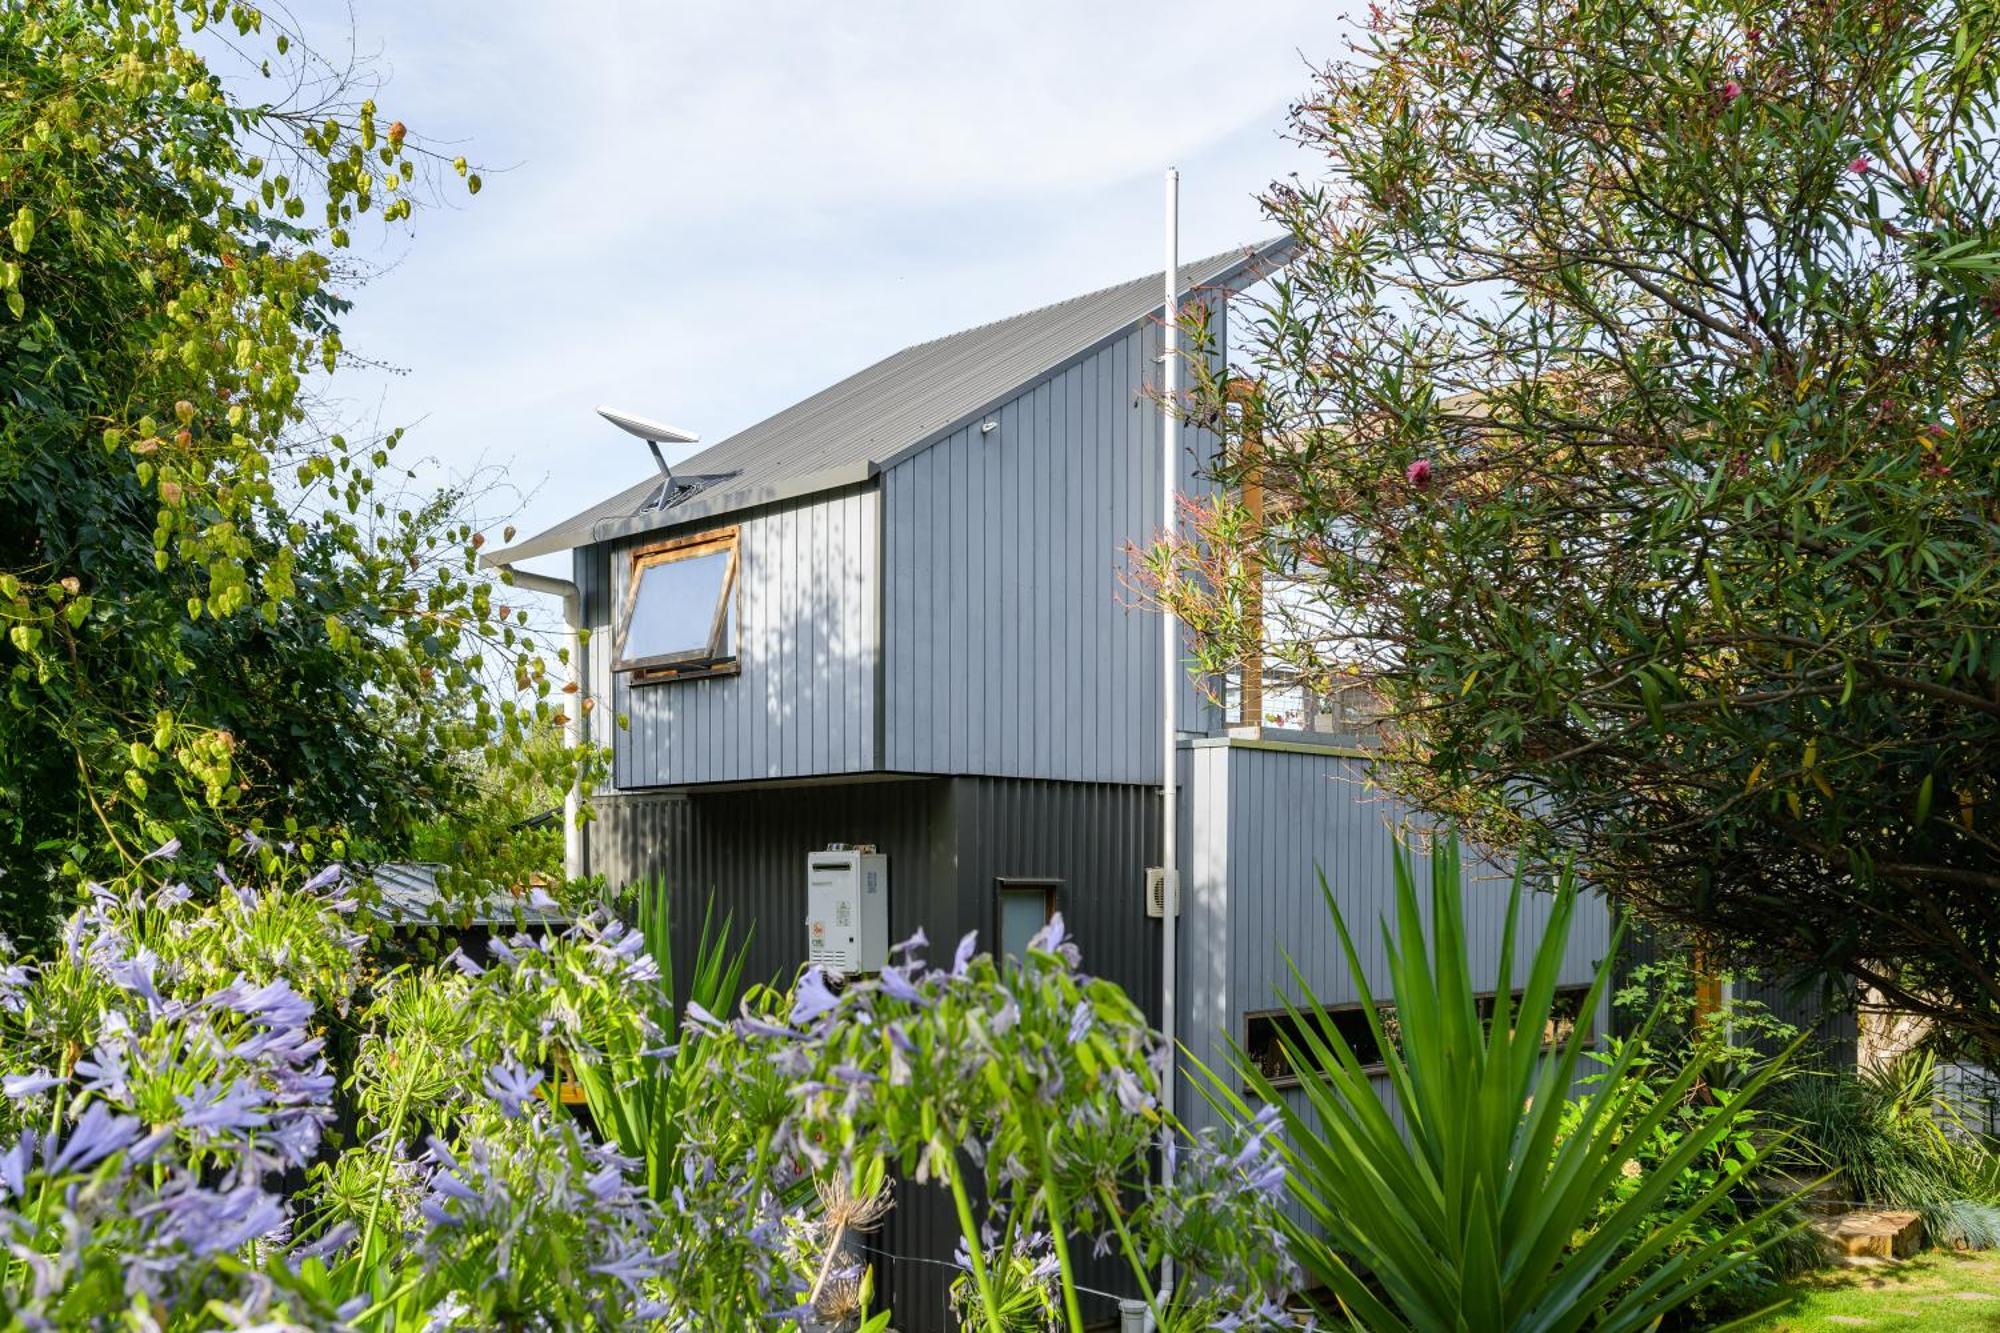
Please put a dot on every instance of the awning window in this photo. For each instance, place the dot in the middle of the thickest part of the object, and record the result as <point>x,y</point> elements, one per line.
<point>680,608</point>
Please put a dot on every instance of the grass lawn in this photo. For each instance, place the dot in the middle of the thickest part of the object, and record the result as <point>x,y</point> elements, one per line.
<point>1938,1292</point>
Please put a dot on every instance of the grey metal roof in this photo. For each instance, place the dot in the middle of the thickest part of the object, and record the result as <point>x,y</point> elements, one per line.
<point>846,433</point>
<point>409,895</point>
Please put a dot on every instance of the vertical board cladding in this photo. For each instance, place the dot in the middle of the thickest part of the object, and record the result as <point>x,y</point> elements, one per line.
<point>1012,641</point>
<point>948,841</point>
<point>808,634</point>
<point>1270,821</point>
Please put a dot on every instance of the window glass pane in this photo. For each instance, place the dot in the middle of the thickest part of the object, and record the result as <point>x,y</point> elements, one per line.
<point>1023,912</point>
<point>674,608</point>
<point>1265,1034</point>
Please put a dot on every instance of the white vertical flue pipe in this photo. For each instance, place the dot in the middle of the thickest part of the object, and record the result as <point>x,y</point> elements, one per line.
<point>1170,676</point>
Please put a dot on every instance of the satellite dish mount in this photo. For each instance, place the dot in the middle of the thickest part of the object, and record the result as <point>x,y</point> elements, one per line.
<point>654,434</point>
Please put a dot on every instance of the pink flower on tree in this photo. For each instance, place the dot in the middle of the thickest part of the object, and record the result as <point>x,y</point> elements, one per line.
<point>1731,90</point>
<point>1859,166</point>
<point>1418,474</point>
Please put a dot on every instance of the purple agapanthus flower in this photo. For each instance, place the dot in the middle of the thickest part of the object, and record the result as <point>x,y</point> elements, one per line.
<point>631,1266</point>
<point>749,1025</point>
<point>813,997</point>
<point>216,1222</point>
<point>1269,1178</point>
<point>511,1086</point>
<point>15,1164</point>
<point>327,876</point>
<point>232,1107</point>
<point>275,1004</point>
<point>465,965</point>
<point>18,1086</point>
<point>1081,1019</point>
<point>135,974</point>
<point>896,985</point>
<point>1131,1095</point>
<point>15,979</point>
<point>962,959</point>
<point>334,1240</point>
<point>700,1019</point>
<point>98,1133</point>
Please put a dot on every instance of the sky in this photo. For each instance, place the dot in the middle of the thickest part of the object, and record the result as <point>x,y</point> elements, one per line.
<point>703,212</point>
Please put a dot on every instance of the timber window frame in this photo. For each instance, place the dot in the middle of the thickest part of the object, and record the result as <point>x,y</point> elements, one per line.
<point>719,552</point>
<point>1263,1047</point>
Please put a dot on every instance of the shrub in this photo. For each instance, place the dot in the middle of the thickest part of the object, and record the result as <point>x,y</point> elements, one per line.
<point>1763,1239</point>
<point>166,1160</point>
<point>1896,1142</point>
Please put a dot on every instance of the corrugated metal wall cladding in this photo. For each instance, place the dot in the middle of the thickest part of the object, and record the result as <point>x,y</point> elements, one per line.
<point>1096,838</point>
<point>948,842</point>
<point>1011,645</point>
<point>745,850</point>
<point>803,703</point>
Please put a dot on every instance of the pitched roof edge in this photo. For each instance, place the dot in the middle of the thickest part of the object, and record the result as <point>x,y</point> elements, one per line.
<point>1226,277</point>
<point>717,502</point>
<point>1250,265</point>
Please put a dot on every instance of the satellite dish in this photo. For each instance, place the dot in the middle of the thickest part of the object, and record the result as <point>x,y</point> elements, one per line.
<point>650,431</point>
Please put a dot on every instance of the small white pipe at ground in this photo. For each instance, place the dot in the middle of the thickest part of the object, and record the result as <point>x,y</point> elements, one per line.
<point>1170,672</point>
<point>573,729</point>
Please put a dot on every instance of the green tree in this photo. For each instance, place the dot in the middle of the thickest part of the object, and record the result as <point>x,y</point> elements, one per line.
<point>216,617</point>
<point>1627,418</point>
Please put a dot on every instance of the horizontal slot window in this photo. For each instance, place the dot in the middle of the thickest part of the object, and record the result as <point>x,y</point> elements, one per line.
<point>1265,1033</point>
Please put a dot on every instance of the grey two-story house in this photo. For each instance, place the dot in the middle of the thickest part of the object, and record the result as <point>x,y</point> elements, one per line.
<point>895,615</point>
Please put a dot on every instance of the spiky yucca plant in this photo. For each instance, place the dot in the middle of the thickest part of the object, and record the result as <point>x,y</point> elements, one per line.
<point>1477,1212</point>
